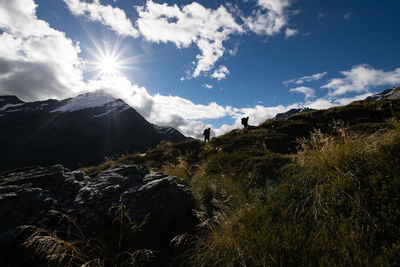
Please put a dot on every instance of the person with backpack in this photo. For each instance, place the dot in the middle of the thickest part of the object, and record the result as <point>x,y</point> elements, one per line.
<point>245,122</point>
<point>206,134</point>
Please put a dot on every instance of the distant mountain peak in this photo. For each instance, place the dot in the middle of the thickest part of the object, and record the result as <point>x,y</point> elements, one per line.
<point>89,100</point>
<point>8,101</point>
<point>391,93</point>
<point>291,112</point>
<point>77,131</point>
<point>169,133</point>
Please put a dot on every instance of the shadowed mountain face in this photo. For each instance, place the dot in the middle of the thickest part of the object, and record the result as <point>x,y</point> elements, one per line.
<point>76,132</point>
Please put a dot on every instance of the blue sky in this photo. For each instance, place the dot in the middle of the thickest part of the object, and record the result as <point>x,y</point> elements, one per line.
<point>201,64</point>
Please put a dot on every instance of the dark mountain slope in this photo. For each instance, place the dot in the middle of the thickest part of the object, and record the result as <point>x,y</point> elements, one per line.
<point>8,101</point>
<point>76,132</point>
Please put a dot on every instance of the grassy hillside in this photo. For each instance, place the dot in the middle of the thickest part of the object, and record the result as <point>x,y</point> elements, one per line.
<point>318,188</point>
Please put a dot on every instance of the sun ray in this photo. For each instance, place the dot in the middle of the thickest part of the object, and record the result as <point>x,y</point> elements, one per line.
<point>108,58</point>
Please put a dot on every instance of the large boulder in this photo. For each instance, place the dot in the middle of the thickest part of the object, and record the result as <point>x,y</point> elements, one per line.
<point>28,195</point>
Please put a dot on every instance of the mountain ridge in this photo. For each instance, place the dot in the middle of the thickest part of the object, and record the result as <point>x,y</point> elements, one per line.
<point>77,131</point>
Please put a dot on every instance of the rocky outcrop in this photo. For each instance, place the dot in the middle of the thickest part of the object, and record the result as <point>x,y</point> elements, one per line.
<point>395,94</point>
<point>28,195</point>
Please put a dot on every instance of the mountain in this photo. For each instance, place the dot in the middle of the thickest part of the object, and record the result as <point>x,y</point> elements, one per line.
<point>391,93</point>
<point>9,101</point>
<point>292,112</point>
<point>78,131</point>
<point>169,133</point>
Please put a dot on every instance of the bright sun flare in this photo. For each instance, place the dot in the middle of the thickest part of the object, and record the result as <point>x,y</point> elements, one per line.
<point>109,66</point>
<point>108,60</point>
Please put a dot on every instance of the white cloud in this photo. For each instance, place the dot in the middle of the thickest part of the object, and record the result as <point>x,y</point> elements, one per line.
<point>235,50</point>
<point>320,103</point>
<point>173,111</point>
<point>348,100</point>
<point>182,113</point>
<point>307,91</point>
<point>190,24</point>
<point>257,114</point>
<point>112,17</point>
<point>187,116</point>
<point>305,79</point>
<point>347,16</point>
<point>209,86</point>
<point>270,18</point>
<point>220,73</point>
<point>360,79</point>
<point>291,32</point>
<point>185,25</point>
<point>328,102</point>
<point>36,61</point>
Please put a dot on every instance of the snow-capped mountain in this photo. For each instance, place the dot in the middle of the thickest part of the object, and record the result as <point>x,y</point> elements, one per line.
<point>392,93</point>
<point>78,131</point>
<point>169,133</point>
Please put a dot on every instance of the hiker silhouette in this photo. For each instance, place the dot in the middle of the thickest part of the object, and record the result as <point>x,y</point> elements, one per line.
<point>245,122</point>
<point>206,134</point>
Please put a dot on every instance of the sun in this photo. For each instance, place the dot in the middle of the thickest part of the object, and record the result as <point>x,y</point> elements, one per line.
<point>107,59</point>
<point>109,66</point>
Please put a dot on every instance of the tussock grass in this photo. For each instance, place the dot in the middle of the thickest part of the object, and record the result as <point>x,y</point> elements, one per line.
<point>337,205</point>
<point>70,247</point>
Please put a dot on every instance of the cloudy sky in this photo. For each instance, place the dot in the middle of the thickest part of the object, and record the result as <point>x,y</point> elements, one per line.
<point>201,64</point>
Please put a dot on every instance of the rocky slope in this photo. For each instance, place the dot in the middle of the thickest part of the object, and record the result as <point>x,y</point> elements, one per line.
<point>391,93</point>
<point>28,195</point>
<point>79,131</point>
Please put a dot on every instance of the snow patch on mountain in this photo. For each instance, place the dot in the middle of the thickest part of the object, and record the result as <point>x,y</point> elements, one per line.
<point>382,95</point>
<point>102,114</point>
<point>164,129</point>
<point>14,110</point>
<point>117,105</point>
<point>88,100</point>
<point>7,106</point>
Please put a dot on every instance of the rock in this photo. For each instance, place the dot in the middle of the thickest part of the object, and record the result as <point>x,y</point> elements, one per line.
<point>28,195</point>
